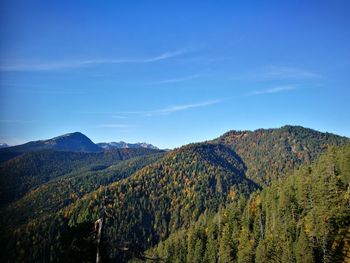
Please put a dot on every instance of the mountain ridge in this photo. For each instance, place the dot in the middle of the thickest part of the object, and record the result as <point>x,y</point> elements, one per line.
<point>122,144</point>
<point>263,149</point>
<point>70,142</point>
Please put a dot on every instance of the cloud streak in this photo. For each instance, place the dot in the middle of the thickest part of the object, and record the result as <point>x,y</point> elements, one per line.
<point>149,113</point>
<point>175,80</point>
<point>172,109</point>
<point>282,72</point>
<point>272,90</point>
<point>87,63</point>
<point>182,107</point>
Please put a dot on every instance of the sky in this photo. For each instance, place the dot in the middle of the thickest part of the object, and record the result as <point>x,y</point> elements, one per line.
<point>171,72</point>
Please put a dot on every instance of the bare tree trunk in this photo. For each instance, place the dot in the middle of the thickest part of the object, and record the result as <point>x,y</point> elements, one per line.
<point>98,228</point>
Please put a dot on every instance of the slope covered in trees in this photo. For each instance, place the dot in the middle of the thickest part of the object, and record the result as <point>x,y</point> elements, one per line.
<point>64,190</point>
<point>303,218</point>
<point>32,169</point>
<point>147,206</point>
<point>226,200</point>
<point>269,153</point>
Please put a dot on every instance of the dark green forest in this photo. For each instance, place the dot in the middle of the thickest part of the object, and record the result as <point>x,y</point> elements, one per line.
<point>275,195</point>
<point>32,169</point>
<point>303,218</point>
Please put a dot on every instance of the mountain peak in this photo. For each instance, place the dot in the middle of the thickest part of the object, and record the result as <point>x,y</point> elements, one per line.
<point>70,142</point>
<point>71,134</point>
<point>76,142</point>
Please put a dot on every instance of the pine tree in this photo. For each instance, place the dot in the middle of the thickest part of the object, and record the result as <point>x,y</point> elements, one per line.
<point>246,247</point>
<point>224,253</point>
<point>303,249</point>
<point>211,252</point>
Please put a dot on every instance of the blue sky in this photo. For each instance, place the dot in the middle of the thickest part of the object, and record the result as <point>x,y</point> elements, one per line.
<point>171,72</point>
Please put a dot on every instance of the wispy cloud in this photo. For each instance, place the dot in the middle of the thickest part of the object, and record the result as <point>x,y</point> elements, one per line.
<point>115,125</point>
<point>182,107</point>
<point>59,65</point>
<point>161,111</point>
<point>173,108</point>
<point>272,90</point>
<point>14,121</point>
<point>175,80</point>
<point>282,72</point>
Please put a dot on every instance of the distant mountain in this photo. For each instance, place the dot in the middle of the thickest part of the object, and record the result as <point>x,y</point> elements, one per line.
<point>70,142</point>
<point>121,144</point>
<point>3,145</point>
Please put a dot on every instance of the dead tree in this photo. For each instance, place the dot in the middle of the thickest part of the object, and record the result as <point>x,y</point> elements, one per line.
<point>99,226</point>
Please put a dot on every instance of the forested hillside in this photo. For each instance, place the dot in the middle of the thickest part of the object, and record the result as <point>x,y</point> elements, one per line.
<point>64,190</point>
<point>303,218</point>
<point>30,170</point>
<point>151,204</point>
<point>269,153</point>
<point>261,196</point>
